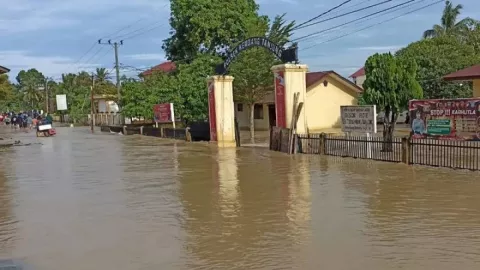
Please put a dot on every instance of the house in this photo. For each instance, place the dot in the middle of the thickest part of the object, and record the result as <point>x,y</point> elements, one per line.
<point>467,74</point>
<point>4,70</point>
<point>326,92</point>
<point>359,77</point>
<point>166,67</point>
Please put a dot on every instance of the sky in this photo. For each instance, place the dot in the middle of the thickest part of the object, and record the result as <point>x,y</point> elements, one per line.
<point>60,36</point>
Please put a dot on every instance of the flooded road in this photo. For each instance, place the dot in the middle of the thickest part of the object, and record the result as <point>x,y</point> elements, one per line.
<point>103,201</point>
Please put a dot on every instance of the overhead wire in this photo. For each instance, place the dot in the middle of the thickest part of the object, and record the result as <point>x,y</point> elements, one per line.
<point>321,14</point>
<point>345,14</point>
<point>349,22</point>
<point>375,24</point>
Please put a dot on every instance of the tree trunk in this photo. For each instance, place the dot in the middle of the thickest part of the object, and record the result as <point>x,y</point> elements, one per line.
<point>252,123</point>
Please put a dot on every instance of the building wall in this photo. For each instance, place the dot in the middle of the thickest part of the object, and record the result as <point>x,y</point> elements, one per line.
<point>323,104</point>
<point>359,80</point>
<point>476,88</point>
<point>243,117</point>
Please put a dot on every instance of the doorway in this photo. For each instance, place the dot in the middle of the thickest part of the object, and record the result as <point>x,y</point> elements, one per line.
<point>272,120</point>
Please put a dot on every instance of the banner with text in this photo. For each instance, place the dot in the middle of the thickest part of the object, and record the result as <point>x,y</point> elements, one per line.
<point>163,113</point>
<point>448,119</point>
<point>61,102</point>
<point>359,119</point>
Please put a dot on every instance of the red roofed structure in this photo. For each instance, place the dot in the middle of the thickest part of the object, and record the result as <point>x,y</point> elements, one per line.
<point>166,67</point>
<point>4,70</point>
<point>467,74</point>
<point>358,73</point>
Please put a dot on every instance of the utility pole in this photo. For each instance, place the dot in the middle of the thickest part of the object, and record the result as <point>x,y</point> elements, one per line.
<point>117,65</point>
<point>92,110</point>
<point>47,100</point>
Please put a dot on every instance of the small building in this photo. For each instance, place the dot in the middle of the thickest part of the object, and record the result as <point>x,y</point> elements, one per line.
<point>467,74</point>
<point>4,70</point>
<point>359,77</point>
<point>326,92</point>
<point>166,67</point>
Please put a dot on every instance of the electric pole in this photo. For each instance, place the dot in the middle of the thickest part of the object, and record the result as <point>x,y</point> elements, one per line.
<point>92,109</point>
<point>117,65</point>
<point>47,100</point>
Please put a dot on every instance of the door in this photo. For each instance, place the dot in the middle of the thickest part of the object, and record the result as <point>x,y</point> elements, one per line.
<point>271,115</point>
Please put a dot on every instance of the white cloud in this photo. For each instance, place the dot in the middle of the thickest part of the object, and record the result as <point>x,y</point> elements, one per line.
<point>52,66</point>
<point>32,15</point>
<point>377,48</point>
<point>146,56</point>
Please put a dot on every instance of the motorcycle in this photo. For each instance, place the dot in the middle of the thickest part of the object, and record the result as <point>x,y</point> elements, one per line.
<point>46,130</point>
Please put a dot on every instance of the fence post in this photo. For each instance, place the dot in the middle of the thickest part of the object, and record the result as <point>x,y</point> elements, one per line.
<point>141,130</point>
<point>323,137</point>
<point>125,130</point>
<point>188,136</point>
<point>162,132</point>
<point>406,150</point>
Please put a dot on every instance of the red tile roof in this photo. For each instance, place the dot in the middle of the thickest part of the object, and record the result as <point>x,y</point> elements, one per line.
<point>314,77</point>
<point>464,74</point>
<point>358,73</point>
<point>4,70</point>
<point>164,67</point>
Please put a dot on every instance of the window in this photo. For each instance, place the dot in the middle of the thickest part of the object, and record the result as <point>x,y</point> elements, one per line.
<point>258,111</point>
<point>239,107</point>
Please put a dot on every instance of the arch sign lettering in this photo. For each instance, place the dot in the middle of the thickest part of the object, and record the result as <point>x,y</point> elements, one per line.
<point>285,55</point>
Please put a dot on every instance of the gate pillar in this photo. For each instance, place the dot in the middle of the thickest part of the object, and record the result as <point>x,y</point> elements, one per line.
<point>290,79</point>
<point>221,113</point>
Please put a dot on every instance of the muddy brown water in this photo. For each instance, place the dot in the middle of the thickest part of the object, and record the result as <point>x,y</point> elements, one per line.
<point>104,201</point>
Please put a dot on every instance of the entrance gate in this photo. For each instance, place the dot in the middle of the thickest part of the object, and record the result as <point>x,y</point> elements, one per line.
<point>288,79</point>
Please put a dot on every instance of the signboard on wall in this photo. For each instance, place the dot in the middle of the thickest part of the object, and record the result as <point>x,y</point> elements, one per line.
<point>359,119</point>
<point>280,100</point>
<point>61,102</point>
<point>448,119</point>
<point>163,113</point>
<point>212,116</point>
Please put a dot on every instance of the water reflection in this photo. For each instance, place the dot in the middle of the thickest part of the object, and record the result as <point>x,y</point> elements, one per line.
<point>7,221</point>
<point>252,216</point>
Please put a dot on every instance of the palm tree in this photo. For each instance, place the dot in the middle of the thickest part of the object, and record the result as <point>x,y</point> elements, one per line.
<point>32,95</point>
<point>102,75</point>
<point>449,24</point>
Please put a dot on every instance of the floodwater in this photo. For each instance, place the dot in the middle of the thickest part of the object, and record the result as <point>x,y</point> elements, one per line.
<point>105,201</point>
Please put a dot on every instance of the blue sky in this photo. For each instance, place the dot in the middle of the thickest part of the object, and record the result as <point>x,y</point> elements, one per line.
<point>52,35</point>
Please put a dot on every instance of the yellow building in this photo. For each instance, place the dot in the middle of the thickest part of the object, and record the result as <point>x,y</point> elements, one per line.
<point>326,92</point>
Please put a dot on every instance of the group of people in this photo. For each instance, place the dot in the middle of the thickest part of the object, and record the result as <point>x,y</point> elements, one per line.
<point>25,120</point>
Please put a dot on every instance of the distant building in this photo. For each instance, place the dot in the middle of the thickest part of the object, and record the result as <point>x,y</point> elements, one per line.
<point>359,77</point>
<point>166,67</point>
<point>4,70</point>
<point>326,92</point>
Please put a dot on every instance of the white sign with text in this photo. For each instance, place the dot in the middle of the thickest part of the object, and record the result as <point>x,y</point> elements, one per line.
<point>359,119</point>
<point>61,102</point>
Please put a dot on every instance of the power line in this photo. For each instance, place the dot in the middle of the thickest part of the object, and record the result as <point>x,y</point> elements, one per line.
<point>345,14</point>
<point>326,12</point>
<point>139,32</point>
<point>373,25</point>
<point>352,21</point>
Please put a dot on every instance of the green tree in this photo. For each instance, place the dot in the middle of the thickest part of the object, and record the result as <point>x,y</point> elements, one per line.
<point>390,84</point>
<point>103,85</point>
<point>31,83</point>
<point>449,23</point>
<point>7,94</point>
<point>438,57</point>
<point>206,26</point>
<point>192,87</point>
<point>253,77</point>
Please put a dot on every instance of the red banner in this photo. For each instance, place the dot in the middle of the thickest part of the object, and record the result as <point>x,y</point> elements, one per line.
<point>448,119</point>
<point>163,113</point>
<point>280,100</point>
<point>212,116</point>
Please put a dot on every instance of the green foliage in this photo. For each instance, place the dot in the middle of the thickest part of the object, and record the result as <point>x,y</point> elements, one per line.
<point>449,24</point>
<point>207,26</point>
<point>7,93</point>
<point>31,83</point>
<point>192,86</point>
<point>390,84</point>
<point>440,56</point>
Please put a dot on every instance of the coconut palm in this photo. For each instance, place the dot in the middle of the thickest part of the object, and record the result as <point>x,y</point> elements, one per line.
<point>102,75</point>
<point>449,24</point>
<point>32,93</point>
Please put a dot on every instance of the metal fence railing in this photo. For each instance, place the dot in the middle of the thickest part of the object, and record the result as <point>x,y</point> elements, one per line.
<point>456,154</point>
